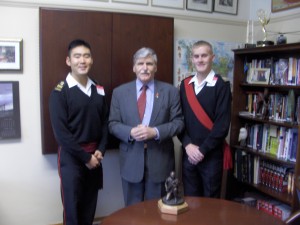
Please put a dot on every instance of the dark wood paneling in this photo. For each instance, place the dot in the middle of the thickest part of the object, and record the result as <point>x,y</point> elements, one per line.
<point>57,29</point>
<point>114,38</point>
<point>130,33</point>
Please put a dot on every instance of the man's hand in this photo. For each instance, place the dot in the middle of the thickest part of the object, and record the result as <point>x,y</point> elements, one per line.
<point>93,163</point>
<point>143,133</point>
<point>194,154</point>
<point>98,155</point>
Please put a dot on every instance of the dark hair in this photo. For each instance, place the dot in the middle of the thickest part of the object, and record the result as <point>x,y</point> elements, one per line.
<point>78,42</point>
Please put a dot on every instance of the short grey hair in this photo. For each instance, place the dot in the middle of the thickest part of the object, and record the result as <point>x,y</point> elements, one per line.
<point>143,53</point>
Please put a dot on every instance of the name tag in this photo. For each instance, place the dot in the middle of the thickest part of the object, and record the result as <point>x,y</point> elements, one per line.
<point>100,90</point>
<point>213,83</point>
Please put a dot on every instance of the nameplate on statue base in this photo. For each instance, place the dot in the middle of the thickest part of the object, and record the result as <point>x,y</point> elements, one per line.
<point>172,209</point>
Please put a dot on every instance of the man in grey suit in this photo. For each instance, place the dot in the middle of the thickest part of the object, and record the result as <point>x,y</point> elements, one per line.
<point>146,147</point>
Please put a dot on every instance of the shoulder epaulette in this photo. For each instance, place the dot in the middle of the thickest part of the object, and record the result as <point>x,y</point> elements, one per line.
<point>59,86</point>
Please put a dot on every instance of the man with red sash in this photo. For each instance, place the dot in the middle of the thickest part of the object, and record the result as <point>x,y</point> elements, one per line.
<point>206,104</point>
<point>79,117</point>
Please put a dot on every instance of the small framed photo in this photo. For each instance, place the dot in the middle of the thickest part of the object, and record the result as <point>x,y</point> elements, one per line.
<point>226,6</point>
<point>258,76</point>
<point>199,5</point>
<point>141,2</point>
<point>178,4</point>
<point>11,54</point>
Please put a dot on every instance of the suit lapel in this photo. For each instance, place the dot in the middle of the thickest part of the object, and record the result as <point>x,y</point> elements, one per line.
<point>157,101</point>
<point>132,101</point>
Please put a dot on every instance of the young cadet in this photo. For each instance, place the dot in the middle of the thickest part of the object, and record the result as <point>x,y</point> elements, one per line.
<point>79,117</point>
<point>206,105</point>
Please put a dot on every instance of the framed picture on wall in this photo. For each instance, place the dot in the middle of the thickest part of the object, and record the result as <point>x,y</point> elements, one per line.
<point>169,3</point>
<point>11,54</point>
<point>226,6</point>
<point>199,5</point>
<point>10,127</point>
<point>142,2</point>
<point>280,5</point>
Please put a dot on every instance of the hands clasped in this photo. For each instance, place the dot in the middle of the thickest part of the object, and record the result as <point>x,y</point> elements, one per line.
<point>95,160</point>
<point>194,154</point>
<point>142,133</point>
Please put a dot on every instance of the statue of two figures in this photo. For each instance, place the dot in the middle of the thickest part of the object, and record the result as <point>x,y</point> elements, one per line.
<point>264,19</point>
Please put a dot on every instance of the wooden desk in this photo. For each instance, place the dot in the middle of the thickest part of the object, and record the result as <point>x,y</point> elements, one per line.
<point>202,211</point>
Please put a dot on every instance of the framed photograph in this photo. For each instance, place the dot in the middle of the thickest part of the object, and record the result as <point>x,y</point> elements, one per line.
<point>178,4</point>
<point>9,110</point>
<point>141,2</point>
<point>226,6</point>
<point>11,54</point>
<point>200,5</point>
<point>280,5</point>
<point>258,76</point>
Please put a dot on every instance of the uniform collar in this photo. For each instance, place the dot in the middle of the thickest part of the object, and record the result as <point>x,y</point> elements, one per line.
<point>72,82</point>
<point>209,78</point>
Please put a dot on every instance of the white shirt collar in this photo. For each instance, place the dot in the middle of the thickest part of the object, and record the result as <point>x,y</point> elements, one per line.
<point>72,82</point>
<point>209,78</point>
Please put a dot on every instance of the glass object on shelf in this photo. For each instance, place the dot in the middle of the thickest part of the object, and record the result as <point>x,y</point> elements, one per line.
<point>281,39</point>
<point>264,19</point>
<point>249,35</point>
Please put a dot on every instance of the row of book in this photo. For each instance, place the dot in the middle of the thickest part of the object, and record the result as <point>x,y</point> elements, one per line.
<point>275,106</point>
<point>283,71</point>
<point>278,141</point>
<point>273,207</point>
<point>252,169</point>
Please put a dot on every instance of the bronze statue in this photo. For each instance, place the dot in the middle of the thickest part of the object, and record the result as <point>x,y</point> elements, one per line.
<point>173,196</point>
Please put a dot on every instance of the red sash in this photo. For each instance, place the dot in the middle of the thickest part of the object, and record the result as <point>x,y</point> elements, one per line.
<point>205,120</point>
<point>89,147</point>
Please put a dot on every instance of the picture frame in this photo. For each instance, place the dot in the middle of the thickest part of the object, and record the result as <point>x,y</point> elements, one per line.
<point>204,6</point>
<point>258,76</point>
<point>141,2</point>
<point>226,6</point>
<point>281,5</point>
<point>10,126</point>
<point>11,54</point>
<point>177,4</point>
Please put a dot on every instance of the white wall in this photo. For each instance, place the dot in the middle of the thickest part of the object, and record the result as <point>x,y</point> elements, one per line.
<point>280,22</point>
<point>29,184</point>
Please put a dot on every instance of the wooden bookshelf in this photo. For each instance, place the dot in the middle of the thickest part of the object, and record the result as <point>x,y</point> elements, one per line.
<point>240,90</point>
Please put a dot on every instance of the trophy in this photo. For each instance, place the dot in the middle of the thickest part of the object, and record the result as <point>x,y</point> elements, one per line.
<point>264,19</point>
<point>173,202</point>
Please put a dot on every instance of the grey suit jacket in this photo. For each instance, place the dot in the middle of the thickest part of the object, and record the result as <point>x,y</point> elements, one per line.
<point>166,117</point>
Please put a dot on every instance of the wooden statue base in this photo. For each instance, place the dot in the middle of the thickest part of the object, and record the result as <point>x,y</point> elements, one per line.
<point>172,209</point>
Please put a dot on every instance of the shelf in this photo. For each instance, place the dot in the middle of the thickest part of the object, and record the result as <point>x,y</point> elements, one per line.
<point>241,90</point>
<point>273,122</point>
<point>275,49</point>
<point>266,156</point>
<point>283,197</point>
<point>270,86</point>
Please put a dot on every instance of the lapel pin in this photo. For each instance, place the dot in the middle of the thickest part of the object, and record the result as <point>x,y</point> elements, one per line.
<point>156,95</point>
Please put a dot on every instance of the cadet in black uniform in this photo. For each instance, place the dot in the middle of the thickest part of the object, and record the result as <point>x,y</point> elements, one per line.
<point>79,116</point>
<point>202,164</point>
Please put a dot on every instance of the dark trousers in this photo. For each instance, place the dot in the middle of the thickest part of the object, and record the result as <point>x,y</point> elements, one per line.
<point>79,190</point>
<point>205,178</point>
<point>143,190</point>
